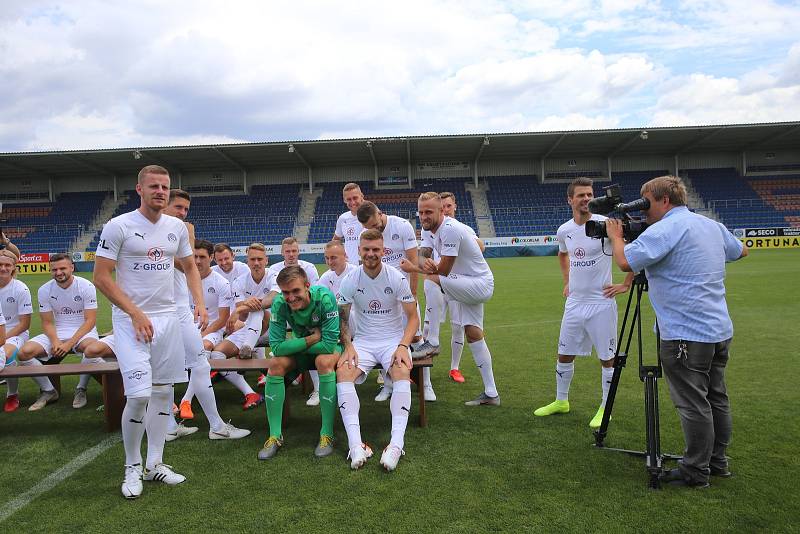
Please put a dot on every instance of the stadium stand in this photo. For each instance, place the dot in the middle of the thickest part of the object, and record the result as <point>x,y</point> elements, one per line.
<point>400,202</point>
<point>51,226</point>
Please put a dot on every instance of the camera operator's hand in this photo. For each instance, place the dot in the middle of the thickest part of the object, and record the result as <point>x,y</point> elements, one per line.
<point>614,229</point>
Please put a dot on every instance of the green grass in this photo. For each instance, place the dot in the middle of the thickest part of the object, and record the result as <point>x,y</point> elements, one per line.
<point>471,470</point>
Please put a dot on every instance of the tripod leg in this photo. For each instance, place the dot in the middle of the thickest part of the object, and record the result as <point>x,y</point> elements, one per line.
<point>600,433</point>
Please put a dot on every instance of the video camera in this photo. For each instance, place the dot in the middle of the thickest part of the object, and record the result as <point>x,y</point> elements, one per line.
<point>611,204</point>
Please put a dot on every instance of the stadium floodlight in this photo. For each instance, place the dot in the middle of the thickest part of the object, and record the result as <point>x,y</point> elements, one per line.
<point>137,154</point>
<point>291,149</point>
<point>485,141</point>
<point>644,135</point>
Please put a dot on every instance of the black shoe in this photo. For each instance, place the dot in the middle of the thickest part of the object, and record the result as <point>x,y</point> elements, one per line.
<point>721,472</point>
<point>674,477</point>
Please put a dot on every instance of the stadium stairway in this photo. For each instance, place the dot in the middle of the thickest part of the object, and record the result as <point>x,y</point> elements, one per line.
<point>695,201</point>
<point>305,213</point>
<point>107,209</point>
<point>480,206</point>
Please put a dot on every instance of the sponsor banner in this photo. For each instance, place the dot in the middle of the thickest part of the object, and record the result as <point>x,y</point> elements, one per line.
<point>520,241</point>
<point>33,268</point>
<point>392,180</point>
<point>36,257</point>
<point>772,242</point>
<point>443,166</point>
<point>272,250</point>
<point>769,232</point>
<point>83,256</point>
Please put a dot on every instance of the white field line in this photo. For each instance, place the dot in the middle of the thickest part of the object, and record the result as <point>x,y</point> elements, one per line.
<point>56,477</point>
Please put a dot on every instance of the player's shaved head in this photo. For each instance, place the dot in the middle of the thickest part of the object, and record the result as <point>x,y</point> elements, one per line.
<point>151,169</point>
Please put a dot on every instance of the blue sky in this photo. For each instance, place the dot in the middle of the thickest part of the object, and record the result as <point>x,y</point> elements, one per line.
<point>92,74</point>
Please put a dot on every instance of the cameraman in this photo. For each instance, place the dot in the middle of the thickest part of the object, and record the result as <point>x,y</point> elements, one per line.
<point>684,255</point>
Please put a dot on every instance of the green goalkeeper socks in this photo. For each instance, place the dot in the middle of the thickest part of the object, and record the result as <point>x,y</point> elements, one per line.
<point>327,402</point>
<point>274,395</point>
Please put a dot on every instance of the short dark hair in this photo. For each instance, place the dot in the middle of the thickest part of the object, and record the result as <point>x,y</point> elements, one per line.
<point>179,193</point>
<point>60,256</point>
<point>365,211</point>
<point>581,181</point>
<point>289,273</point>
<point>222,247</point>
<point>205,245</point>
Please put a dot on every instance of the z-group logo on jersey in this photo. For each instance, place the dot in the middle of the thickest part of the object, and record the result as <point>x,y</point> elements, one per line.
<point>156,254</point>
<point>390,255</point>
<point>69,311</point>
<point>374,308</point>
<point>580,253</point>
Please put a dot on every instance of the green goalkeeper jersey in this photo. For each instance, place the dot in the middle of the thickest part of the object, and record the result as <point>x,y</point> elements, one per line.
<point>322,312</point>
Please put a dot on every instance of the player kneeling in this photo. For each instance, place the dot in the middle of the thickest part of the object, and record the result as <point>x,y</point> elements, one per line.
<point>380,296</point>
<point>313,316</point>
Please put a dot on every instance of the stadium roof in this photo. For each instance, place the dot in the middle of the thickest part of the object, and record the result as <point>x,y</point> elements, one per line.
<point>400,150</point>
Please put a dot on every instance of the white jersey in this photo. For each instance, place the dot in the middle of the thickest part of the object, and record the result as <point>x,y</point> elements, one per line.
<point>333,281</point>
<point>15,299</point>
<point>348,229</point>
<point>237,270</point>
<point>308,267</point>
<point>457,240</point>
<point>216,294</point>
<point>145,254</point>
<point>589,266</point>
<point>245,287</point>
<point>427,241</point>
<point>67,305</point>
<point>398,236</point>
<point>377,303</point>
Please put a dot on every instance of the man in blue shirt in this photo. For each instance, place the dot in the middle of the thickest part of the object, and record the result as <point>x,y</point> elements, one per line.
<point>683,255</point>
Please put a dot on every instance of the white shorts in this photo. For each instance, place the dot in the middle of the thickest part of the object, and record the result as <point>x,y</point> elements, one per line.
<point>144,364</point>
<point>250,332</point>
<point>193,349</point>
<point>44,341</point>
<point>108,340</point>
<point>214,337</point>
<point>434,301</point>
<point>584,325</point>
<point>372,354</point>
<point>19,340</point>
<point>465,296</point>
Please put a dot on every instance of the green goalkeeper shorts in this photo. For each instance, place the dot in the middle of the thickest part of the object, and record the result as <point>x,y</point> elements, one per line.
<point>304,361</point>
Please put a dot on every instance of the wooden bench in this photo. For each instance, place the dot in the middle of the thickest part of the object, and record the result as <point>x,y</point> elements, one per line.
<point>234,364</point>
<point>107,373</point>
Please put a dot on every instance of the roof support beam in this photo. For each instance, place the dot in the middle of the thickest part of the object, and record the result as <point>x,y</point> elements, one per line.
<point>156,160</point>
<point>702,139</point>
<point>298,155</point>
<point>550,151</point>
<point>236,164</point>
<point>626,144</point>
<point>24,168</point>
<point>374,162</point>
<point>408,159</point>
<point>481,148</point>
<point>772,137</point>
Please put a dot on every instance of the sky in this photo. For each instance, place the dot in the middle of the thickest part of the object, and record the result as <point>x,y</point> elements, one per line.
<point>105,74</point>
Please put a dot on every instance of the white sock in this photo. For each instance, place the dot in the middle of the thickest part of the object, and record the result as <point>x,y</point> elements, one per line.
<point>314,379</point>
<point>83,381</point>
<point>349,406</point>
<point>607,373</point>
<point>252,328</point>
<point>2,358</point>
<point>387,380</point>
<point>564,372</point>
<point>156,421</point>
<point>483,359</point>
<point>426,377</point>
<point>200,384</point>
<point>42,381</point>
<point>232,376</point>
<point>172,424</point>
<point>456,346</point>
<point>400,406</point>
<point>133,428</point>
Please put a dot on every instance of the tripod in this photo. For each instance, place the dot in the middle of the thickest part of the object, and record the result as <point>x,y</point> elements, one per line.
<point>649,374</point>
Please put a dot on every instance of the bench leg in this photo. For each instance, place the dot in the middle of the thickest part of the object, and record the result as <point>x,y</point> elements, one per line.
<point>55,380</point>
<point>114,401</point>
<point>416,374</point>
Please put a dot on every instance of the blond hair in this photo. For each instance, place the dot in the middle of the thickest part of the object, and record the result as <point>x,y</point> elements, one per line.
<point>151,169</point>
<point>430,195</point>
<point>256,246</point>
<point>669,186</point>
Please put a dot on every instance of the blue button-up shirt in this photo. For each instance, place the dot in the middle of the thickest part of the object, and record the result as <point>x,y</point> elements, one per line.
<point>683,256</point>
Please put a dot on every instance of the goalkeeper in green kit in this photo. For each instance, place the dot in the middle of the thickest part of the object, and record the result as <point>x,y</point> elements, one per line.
<point>313,315</point>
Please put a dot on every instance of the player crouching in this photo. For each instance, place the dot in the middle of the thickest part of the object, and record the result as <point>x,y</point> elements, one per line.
<point>312,314</point>
<point>379,295</point>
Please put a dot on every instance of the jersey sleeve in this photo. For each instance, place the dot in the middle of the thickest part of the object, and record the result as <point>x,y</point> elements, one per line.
<point>279,345</point>
<point>347,290</point>
<point>313,274</point>
<point>562,240</point>
<point>329,324</point>
<point>403,290</point>
<point>44,299</point>
<point>89,296</point>
<point>339,231</point>
<point>427,242</point>
<point>111,239</point>
<point>237,290</point>
<point>2,319</point>
<point>451,241</point>
<point>24,304</point>
<point>224,294</point>
<point>408,236</point>
<point>184,246</point>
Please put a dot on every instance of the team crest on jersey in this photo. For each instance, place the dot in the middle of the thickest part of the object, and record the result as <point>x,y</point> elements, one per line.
<point>212,290</point>
<point>156,254</point>
<point>315,318</point>
<point>77,298</point>
<point>388,290</point>
<point>395,237</point>
<point>11,300</point>
<point>172,237</point>
<point>374,305</point>
<point>580,253</point>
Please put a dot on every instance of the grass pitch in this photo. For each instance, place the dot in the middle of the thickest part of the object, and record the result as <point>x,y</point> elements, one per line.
<point>473,469</point>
